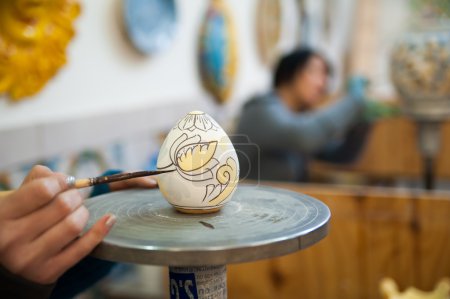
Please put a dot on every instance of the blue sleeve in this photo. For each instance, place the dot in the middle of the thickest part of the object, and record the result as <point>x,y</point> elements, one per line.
<point>103,188</point>
<point>81,277</point>
<point>14,286</point>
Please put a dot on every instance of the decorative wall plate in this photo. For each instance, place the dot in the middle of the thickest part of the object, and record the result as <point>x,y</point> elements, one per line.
<point>150,24</point>
<point>88,163</point>
<point>218,51</point>
<point>34,35</point>
<point>268,27</point>
<point>278,28</point>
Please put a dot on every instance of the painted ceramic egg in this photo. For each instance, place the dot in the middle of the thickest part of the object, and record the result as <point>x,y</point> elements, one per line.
<point>205,163</point>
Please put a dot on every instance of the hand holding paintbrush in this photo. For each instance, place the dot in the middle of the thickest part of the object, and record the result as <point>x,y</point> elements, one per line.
<point>72,182</point>
<point>42,223</point>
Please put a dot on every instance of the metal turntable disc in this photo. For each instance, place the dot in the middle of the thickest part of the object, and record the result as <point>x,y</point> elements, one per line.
<point>259,222</point>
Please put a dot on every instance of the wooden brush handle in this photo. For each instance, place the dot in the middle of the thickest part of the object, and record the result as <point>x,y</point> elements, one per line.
<point>5,193</point>
<point>82,183</point>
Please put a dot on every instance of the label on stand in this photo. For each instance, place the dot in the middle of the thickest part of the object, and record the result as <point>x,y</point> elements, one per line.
<point>198,282</point>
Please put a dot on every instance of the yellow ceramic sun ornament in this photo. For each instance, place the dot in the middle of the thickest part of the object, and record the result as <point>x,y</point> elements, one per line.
<point>33,38</point>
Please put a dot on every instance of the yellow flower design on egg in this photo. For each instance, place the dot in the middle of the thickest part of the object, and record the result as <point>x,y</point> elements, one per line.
<point>196,156</point>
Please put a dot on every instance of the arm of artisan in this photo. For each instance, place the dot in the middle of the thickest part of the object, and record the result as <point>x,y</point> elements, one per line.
<point>272,126</point>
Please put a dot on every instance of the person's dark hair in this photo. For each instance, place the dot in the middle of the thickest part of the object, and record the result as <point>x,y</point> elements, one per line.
<point>289,65</point>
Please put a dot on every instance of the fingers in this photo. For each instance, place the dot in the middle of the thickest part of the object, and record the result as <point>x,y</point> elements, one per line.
<point>63,233</point>
<point>36,223</point>
<point>33,195</point>
<point>38,171</point>
<point>80,248</point>
<point>143,182</point>
<point>30,262</point>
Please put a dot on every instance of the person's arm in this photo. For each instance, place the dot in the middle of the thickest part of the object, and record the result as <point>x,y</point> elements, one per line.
<point>347,149</point>
<point>274,126</point>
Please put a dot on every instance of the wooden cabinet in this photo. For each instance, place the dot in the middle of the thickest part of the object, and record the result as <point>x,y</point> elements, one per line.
<point>374,233</point>
<point>392,152</point>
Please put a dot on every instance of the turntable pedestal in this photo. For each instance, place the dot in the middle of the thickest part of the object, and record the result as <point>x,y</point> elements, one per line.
<point>258,223</point>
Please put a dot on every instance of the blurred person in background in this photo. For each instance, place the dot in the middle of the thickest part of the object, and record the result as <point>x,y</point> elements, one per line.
<point>290,125</point>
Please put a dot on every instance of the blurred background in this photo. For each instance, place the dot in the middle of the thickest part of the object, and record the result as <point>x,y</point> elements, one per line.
<point>101,89</point>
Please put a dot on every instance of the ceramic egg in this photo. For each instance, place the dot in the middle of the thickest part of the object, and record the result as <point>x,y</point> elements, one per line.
<point>205,164</point>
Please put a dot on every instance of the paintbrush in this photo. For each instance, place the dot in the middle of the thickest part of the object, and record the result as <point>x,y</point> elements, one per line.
<point>72,182</point>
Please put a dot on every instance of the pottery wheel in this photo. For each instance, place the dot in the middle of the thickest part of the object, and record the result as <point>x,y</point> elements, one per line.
<point>258,222</point>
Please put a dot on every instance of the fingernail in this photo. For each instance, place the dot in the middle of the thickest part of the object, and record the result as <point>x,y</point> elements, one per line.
<point>152,181</point>
<point>111,220</point>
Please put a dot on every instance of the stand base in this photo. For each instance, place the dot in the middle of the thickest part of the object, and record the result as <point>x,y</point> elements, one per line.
<point>204,282</point>
<point>429,144</point>
<point>197,211</point>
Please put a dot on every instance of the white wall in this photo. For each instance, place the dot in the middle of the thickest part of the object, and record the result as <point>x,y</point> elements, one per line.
<point>105,74</point>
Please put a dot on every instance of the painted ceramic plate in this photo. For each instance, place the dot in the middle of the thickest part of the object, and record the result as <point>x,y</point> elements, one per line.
<point>278,25</point>
<point>268,29</point>
<point>150,24</point>
<point>218,57</point>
